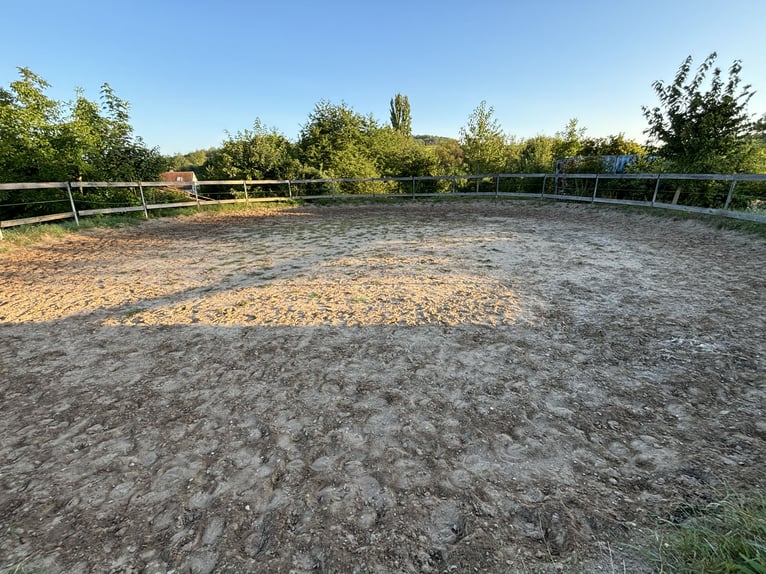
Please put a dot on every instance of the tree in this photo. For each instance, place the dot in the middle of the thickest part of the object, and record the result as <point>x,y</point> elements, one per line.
<point>449,156</point>
<point>701,131</point>
<point>611,145</point>
<point>260,153</point>
<point>538,155</point>
<point>401,120</point>
<point>192,161</point>
<point>335,143</point>
<point>570,141</point>
<point>46,140</point>
<point>483,141</point>
<point>398,155</point>
<point>29,125</point>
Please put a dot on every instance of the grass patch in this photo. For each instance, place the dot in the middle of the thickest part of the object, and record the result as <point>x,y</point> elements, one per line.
<point>715,221</point>
<point>133,311</point>
<point>34,233</point>
<point>724,537</point>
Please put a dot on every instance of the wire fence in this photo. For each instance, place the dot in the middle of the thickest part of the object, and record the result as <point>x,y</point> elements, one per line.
<point>741,196</point>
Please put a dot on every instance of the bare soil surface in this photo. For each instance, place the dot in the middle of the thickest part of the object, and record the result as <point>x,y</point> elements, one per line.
<point>449,387</point>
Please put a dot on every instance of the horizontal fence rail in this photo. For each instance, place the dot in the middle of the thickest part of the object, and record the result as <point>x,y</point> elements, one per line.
<point>741,196</point>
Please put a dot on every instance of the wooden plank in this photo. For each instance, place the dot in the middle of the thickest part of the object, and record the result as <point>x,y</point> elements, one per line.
<point>38,219</point>
<point>230,182</point>
<point>169,184</point>
<point>20,186</point>
<point>95,184</point>
<point>688,208</point>
<point>698,176</point>
<point>623,201</point>
<point>745,216</point>
<point>107,210</point>
<point>171,205</point>
<point>533,194</point>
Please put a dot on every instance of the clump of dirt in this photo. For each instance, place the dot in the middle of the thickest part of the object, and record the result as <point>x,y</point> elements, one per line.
<point>493,386</point>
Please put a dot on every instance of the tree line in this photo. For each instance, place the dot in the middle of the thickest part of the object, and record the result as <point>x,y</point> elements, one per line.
<point>699,125</point>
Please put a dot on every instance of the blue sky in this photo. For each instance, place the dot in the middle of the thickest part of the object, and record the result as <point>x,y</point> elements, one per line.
<point>194,69</point>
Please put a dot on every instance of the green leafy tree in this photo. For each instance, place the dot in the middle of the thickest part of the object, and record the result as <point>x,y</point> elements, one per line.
<point>449,156</point>
<point>759,129</point>
<point>483,141</point>
<point>260,153</point>
<point>123,156</point>
<point>569,142</point>
<point>192,161</point>
<point>42,139</point>
<point>702,130</point>
<point>611,145</point>
<point>398,155</point>
<point>46,140</point>
<point>29,127</point>
<point>401,119</point>
<point>334,143</point>
<point>538,154</point>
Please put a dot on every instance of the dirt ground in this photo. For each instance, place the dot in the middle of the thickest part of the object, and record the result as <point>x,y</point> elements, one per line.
<point>454,387</point>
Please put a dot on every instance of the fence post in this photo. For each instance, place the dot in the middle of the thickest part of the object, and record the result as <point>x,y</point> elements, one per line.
<point>542,191</point>
<point>71,202</point>
<point>247,199</point>
<point>731,193</point>
<point>289,189</point>
<point>497,186</point>
<point>196,195</point>
<point>413,187</point>
<point>143,200</point>
<point>656,189</point>
<point>595,190</point>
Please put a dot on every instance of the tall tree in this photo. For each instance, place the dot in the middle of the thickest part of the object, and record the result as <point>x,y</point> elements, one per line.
<point>29,125</point>
<point>701,131</point>
<point>46,140</point>
<point>398,155</point>
<point>450,156</point>
<point>569,141</point>
<point>401,119</point>
<point>260,153</point>
<point>538,154</point>
<point>483,141</point>
<point>335,141</point>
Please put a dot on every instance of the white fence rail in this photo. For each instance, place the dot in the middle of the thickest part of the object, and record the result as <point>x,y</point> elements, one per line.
<point>741,196</point>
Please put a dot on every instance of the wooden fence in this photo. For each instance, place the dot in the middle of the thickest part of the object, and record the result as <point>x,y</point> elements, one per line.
<point>741,196</point>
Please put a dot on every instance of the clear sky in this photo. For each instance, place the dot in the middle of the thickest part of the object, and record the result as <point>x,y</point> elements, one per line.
<point>194,69</point>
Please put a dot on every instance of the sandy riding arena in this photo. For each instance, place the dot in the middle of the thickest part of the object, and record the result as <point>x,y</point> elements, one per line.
<point>447,387</point>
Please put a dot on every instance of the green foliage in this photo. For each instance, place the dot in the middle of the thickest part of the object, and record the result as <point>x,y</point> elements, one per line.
<point>702,131</point>
<point>398,155</point>
<point>449,157</point>
<point>337,142</point>
<point>29,126</point>
<point>724,537</point>
<point>483,141</point>
<point>260,153</point>
<point>611,145</point>
<point>45,140</point>
<point>537,155</point>
<point>192,161</point>
<point>401,119</point>
<point>569,143</point>
<point>333,141</point>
